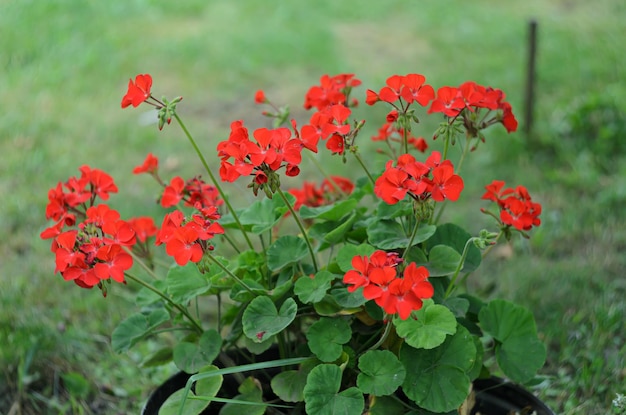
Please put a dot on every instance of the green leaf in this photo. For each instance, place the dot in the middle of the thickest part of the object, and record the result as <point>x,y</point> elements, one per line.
<point>185,283</point>
<point>249,391</point>
<point>384,405</point>
<point>160,357</point>
<point>311,290</point>
<point>327,336</point>
<point>389,234</point>
<point>333,232</point>
<point>520,357</point>
<point>262,215</point>
<point>519,352</point>
<point>322,396</point>
<point>347,252</point>
<point>135,328</point>
<point>261,319</point>
<point>347,299</point>
<point>289,385</point>
<point>387,211</point>
<point>333,212</point>
<point>381,373</point>
<point>286,250</point>
<point>190,357</point>
<point>503,319</point>
<point>443,260</point>
<point>207,388</point>
<point>436,379</point>
<point>429,327</point>
<point>456,237</point>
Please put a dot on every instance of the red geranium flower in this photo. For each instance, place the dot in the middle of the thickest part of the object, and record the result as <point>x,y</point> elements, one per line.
<point>150,165</point>
<point>138,91</point>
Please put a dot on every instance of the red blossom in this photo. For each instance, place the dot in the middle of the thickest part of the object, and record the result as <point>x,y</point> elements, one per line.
<point>150,165</point>
<point>138,91</point>
<point>144,227</point>
<point>433,178</point>
<point>394,293</point>
<point>516,206</point>
<point>447,101</point>
<point>331,91</point>
<point>259,97</point>
<point>315,196</point>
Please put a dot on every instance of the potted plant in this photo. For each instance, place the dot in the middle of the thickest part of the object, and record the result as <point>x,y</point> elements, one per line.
<point>339,296</point>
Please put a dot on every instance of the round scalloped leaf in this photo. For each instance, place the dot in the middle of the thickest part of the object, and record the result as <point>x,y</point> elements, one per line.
<point>322,396</point>
<point>520,357</point>
<point>389,234</point>
<point>261,319</point>
<point>186,282</point>
<point>289,385</point>
<point>190,357</point>
<point>327,336</point>
<point>519,352</point>
<point>312,290</point>
<point>286,250</point>
<point>135,328</point>
<point>456,237</point>
<point>428,327</point>
<point>381,373</point>
<point>207,388</point>
<point>437,379</point>
<point>442,260</point>
<point>347,252</point>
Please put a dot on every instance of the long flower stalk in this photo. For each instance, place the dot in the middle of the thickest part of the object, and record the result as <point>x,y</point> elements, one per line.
<point>301,226</point>
<point>213,179</point>
<point>161,294</point>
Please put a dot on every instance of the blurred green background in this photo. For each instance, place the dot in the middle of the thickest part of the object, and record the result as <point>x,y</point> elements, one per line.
<point>65,65</point>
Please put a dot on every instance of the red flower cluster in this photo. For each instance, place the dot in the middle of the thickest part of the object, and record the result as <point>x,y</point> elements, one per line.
<point>421,180</point>
<point>313,196</point>
<point>330,122</point>
<point>150,165</point>
<point>516,206</point>
<point>377,274</point>
<point>272,150</point>
<point>186,240</point>
<point>390,133</point>
<point>451,101</point>
<point>332,90</point>
<point>93,250</point>
<point>195,193</point>
<point>410,88</point>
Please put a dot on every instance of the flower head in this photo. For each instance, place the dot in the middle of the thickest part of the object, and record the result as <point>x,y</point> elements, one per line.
<point>138,91</point>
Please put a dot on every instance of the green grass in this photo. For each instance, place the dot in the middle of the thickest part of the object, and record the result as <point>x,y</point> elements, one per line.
<point>65,66</point>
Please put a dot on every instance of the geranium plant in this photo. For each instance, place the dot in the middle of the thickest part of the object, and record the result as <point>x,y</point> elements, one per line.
<point>359,285</point>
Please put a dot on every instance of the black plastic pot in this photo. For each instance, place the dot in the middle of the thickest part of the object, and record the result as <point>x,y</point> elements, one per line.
<point>494,396</point>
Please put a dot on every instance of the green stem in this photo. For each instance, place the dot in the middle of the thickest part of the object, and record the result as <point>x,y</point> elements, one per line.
<point>230,274</point>
<point>417,225</point>
<point>161,294</point>
<point>457,171</point>
<point>383,337</point>
<point>213,179</point>
<point>301,226</point>
<point>325,174</point>
<point>142,264</point>
<point>360,160</point>
<point>459,266</point>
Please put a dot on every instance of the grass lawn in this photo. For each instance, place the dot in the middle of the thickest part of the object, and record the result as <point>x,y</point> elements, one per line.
<point>65,66</point>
